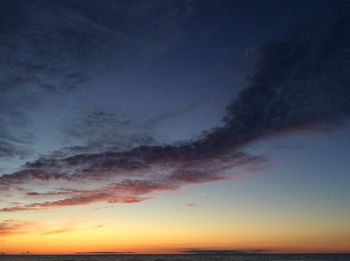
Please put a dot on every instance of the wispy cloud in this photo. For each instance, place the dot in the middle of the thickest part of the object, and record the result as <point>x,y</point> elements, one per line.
<point>58,231</point>
<point>12,227</point>
<point>68,229</point>
<point>54,53</point>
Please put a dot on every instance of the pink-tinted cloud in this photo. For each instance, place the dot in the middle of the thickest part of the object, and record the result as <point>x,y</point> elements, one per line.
<point>75,201</point>
<point>125,184</point>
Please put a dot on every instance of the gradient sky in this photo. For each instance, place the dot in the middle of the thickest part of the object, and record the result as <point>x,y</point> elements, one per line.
<point>174,126</point>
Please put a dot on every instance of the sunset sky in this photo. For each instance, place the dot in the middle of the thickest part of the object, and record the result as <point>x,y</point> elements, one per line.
<point>203,126</point>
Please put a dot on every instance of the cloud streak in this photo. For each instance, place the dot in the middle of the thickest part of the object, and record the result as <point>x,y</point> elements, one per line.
<point>11,227</point>
<point>120,182</point>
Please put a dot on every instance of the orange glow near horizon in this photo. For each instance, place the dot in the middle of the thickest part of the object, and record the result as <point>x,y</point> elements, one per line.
<point>234,219</point>
<point>135,229</point>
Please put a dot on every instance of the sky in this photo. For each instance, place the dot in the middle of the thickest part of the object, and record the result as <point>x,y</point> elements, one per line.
<point>207,126</point>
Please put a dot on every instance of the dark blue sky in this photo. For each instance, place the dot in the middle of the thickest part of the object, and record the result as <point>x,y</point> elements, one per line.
<point>109,101</point>
<point>174,64</point>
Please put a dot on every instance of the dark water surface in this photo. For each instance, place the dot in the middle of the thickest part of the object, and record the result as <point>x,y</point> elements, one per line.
<point>178,258</point>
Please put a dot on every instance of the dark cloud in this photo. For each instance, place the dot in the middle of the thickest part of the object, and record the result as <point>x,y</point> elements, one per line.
<point>127,177</point>
<point>118,178</point>
<point>103,131</point>
<point>299,83</point>
<point>118,181</point>
<point>50,194</point>
<point>110,131</point>
<point>197,251</point>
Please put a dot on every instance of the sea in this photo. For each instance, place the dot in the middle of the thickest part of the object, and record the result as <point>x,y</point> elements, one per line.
<point>264,257</point>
